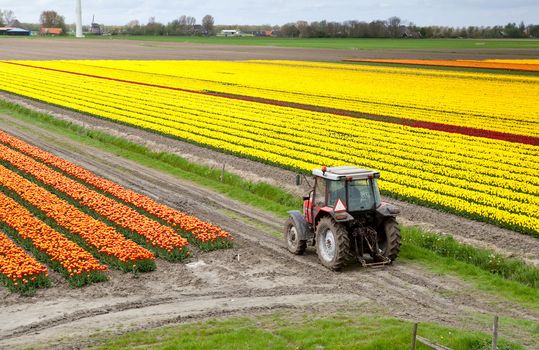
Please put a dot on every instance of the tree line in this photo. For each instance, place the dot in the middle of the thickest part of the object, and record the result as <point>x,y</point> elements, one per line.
<point>393,27</point>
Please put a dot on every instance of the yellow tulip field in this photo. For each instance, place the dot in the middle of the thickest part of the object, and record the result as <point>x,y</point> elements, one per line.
<point>463,142</point>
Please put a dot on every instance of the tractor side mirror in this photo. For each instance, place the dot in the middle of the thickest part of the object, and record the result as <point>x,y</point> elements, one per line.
<point>298,179</point>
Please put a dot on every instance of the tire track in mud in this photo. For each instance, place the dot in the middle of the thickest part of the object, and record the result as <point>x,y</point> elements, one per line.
<point>264,269</point>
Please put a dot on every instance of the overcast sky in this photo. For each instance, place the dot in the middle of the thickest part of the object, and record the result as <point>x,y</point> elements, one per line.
<point>421,12</point>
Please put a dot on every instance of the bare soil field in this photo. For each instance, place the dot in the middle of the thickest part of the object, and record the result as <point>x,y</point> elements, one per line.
<point>257,276</point>
<point>64,49</point>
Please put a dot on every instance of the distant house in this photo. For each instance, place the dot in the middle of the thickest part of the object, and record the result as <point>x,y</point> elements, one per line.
<point>14,31</point>
<point>264,33</point>
<point>51,31</point>
<point>198,29</point>
<point>230,32</point>
<point>411,34</point>
<point>16,24</point>
<point>18,32</point>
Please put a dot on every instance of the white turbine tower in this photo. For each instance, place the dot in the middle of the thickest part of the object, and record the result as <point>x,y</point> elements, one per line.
<point>78,32</point>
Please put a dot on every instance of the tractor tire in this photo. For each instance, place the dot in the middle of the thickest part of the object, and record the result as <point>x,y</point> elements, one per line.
<point>293,244</point>
<point>392,245</point>
<point>332,244</point>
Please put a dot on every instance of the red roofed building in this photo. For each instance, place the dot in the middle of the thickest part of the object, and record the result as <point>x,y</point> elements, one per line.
<point>51,31</point>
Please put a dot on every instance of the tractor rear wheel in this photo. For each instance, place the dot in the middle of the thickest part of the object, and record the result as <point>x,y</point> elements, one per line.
<point>332,244</point>
<point>293,243</point>
<point>390,242</point>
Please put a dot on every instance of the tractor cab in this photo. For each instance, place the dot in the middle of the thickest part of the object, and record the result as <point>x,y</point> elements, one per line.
<point>342,192</point>
<point>344,216</point>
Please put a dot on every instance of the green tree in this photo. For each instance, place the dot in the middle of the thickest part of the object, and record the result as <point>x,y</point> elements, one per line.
<point>208,23</point>
<point>51,19</point>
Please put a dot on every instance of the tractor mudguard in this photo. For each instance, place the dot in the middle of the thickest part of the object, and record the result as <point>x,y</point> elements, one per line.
<point>388,210</point>
<point>338,217</point>
<point>301,225</point>
<point>341,217</point>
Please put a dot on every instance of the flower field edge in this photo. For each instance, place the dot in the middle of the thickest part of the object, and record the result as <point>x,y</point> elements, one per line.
<point>174,255</point>
<point>171,246</point>
<point>485,64</point>
<point>94,275</point>
<point>19,272</point>
<point>140,265</point>
<point>199,233</point>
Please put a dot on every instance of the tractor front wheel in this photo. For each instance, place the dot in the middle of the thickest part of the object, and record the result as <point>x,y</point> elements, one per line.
<point>332,244</point>
<point>293,243</point>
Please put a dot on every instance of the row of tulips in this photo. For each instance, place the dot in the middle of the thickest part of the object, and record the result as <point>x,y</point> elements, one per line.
<point>163,240</point>
<point>517,65</point>
<point>108,244</point>
<point>48,245</point>
<point>205,235</point>
<point>481,178</point>
<point>470,99</point>
<point>18,270</point>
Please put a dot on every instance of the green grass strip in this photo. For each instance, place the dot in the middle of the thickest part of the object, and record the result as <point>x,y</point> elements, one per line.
<point>447,246</point>
<point>336,43</point>
<point>448,257</point>
<point>281,331</point>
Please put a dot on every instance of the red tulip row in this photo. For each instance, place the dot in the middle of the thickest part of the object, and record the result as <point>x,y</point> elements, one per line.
<point>18,270</point>
<point>206,235</point>
<point>63,255</point>
<point>102,239</point>
<point>162,239</point>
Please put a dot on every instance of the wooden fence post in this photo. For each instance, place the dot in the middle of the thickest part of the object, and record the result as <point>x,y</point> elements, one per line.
<point>223,173</point>
<point>495,334</point>
<point>414,335</point>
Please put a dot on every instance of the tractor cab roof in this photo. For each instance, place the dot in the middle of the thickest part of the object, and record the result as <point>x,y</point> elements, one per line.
<point>340,172</point>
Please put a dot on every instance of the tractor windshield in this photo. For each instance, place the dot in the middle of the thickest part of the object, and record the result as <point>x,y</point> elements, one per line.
<point>336,190</point>
<point>363,196</point>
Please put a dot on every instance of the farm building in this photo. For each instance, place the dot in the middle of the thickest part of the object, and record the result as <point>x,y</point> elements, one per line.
<point>51,31</point>
<point>230,32</point>
<point>14,31</point>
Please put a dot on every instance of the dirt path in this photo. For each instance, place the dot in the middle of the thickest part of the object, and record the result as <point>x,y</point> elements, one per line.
<point>258,275</point>
<point>504,241</point>
<point>55,49</point>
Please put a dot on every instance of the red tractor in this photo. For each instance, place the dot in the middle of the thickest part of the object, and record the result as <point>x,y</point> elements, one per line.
<point>344,217</point>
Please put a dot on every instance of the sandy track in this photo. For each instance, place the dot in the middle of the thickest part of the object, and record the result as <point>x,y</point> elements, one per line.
<point>257,275</point>
<point>54,49</point>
